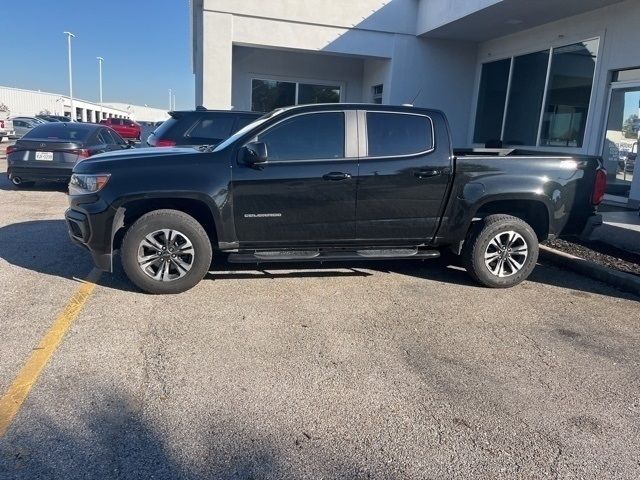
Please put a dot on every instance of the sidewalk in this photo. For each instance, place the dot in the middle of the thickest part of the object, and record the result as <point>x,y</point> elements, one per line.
<point>620,228</point>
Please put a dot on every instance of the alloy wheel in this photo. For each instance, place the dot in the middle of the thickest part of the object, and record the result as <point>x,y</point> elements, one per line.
<point>166,255</point>
<point>506,254</point>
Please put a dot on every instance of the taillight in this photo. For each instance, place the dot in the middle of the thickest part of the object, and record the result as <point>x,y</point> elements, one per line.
<point>11,149</point>
<point>163,142</point>
<point>599,187</point>
<point>82,153</point>
<point>1,123</point>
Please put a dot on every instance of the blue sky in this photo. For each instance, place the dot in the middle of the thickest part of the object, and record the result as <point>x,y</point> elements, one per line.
<point>145,45</point>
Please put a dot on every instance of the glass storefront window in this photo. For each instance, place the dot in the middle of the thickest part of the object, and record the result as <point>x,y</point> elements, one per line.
<point>317,94</point>
<point>491,100</point>
<point>514,89</point>
<point>621,141</point>
<point>569,94</point>
<point>267,95</point>
<point>525,98</point>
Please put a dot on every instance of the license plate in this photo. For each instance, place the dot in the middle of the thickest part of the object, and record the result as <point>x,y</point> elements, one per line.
<point>44,155</point>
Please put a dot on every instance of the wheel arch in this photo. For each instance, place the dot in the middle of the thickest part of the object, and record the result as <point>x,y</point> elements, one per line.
<point>132,209</point>
<point>533,211</point>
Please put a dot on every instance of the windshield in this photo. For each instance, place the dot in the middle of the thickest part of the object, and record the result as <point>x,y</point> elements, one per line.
<point>246,129</point>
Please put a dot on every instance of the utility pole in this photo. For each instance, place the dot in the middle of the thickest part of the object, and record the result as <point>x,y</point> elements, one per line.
<point>73,110</point>
<point>100,60</point>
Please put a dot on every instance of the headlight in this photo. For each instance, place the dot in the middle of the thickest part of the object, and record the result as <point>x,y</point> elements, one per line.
<point>81,184</point>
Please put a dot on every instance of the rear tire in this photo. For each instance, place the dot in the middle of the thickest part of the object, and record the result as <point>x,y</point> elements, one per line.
<point>500,251</point>
<point>165,252</point>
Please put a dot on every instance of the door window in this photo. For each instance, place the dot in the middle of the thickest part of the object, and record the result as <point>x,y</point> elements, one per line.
<point>104,138</point>
<point>397,134</point>
<point>115,138</point>
<point>317,136</point>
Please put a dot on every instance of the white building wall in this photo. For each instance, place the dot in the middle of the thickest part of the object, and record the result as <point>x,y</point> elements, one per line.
<point>435,13</point>
<point>141,113</point>
<point>31,102</point>
<point>368,41</point>
<point>376,72</point>
<point>392,16</point>
<point>249,63</point>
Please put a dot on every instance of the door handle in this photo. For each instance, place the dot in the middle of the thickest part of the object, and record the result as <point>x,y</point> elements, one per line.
<point>336,176</point>
<point>427,173</point>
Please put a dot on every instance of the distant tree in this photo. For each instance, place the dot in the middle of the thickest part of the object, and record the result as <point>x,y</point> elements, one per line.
<point>630,126</point>
<point>3,107</point>
<point>44,111</point>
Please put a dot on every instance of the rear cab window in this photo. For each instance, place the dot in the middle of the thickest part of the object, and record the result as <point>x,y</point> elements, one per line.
<point>393,134</point>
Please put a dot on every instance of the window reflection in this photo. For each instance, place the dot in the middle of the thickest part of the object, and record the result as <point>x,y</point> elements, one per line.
<point>569,93</point>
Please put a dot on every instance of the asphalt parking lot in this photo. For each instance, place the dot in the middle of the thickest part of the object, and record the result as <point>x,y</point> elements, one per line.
<point>377,370</point>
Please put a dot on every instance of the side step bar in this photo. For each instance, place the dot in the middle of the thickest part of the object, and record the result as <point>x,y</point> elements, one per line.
<point>265,256</point>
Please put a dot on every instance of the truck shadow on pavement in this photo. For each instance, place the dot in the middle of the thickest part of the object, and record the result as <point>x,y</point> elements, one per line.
<point>44,246</point>
<point>113,440</point>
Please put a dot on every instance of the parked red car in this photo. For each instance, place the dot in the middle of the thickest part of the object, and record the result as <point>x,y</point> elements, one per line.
<point>125,127</point>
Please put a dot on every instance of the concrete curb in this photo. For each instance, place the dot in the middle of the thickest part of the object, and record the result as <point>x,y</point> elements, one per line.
<point>620,280</point>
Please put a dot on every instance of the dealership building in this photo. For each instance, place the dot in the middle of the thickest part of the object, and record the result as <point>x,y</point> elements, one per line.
<point>546,75</point>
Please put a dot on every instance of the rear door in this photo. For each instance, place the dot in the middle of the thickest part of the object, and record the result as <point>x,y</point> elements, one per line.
<point>403,176</point>
<point>307,190</point>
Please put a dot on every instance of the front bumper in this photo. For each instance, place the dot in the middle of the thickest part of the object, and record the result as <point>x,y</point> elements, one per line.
<point>94,233</point>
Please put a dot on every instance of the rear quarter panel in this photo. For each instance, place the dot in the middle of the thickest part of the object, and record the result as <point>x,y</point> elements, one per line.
<point>562,184</point>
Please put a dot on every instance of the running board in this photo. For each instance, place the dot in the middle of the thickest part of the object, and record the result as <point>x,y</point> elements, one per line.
<point>265,256</point>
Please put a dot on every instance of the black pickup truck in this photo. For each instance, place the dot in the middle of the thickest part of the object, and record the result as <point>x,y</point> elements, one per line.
<point>334,182</point>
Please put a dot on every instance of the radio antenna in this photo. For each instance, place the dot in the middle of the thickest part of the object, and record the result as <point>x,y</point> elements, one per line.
<point>416,97</point>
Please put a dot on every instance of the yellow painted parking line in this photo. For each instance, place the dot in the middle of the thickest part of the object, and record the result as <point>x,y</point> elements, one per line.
<point>13,398</point>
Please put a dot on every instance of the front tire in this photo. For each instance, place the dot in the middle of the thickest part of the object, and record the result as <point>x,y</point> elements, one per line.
<point>165,252</point>
<point>501,251</point>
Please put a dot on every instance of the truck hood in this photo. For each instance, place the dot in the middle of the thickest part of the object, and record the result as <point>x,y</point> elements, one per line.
<point>134,156</point>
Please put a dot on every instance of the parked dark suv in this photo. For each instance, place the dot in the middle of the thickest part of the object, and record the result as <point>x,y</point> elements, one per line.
<point>200,127</point>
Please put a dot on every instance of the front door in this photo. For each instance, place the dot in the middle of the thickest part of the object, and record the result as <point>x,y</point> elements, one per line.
<point>403,178</point>
<point>306,192</point>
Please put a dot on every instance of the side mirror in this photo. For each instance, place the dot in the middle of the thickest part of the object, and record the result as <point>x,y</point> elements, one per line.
<point>255,153</point>
<point>131,143</point>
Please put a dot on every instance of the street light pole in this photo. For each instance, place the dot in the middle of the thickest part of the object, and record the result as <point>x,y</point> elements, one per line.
<point>73,110</point>
<point>170,99</point>
<point>174,101</point>
<point>100,60</point>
